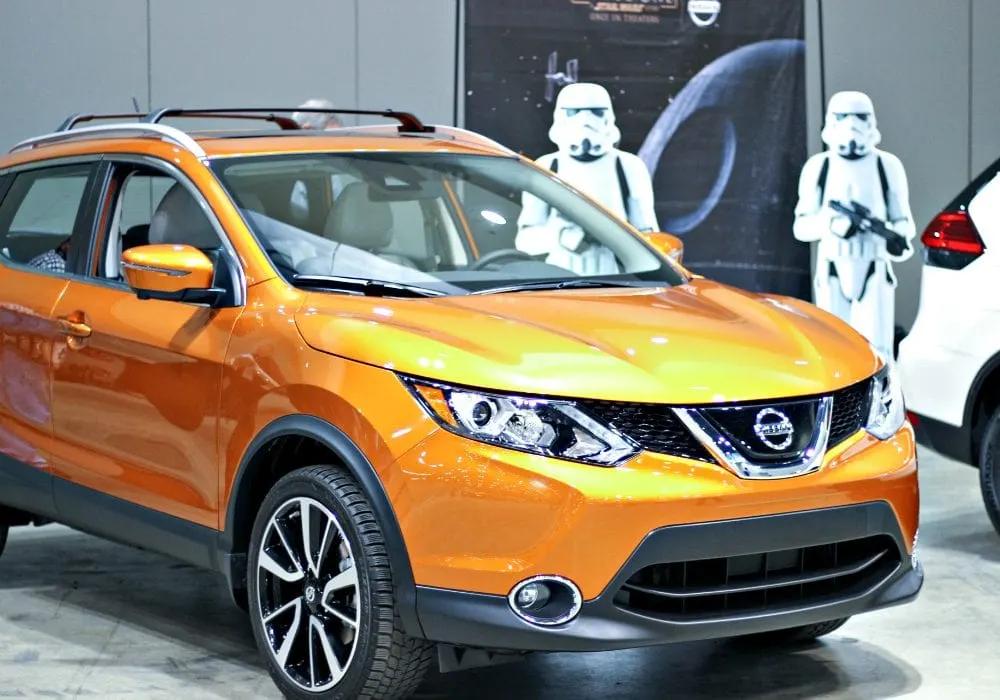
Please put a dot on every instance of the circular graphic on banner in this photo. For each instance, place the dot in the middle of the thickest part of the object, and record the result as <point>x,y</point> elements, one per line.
<point>715,131</point>
<point>704,13</point>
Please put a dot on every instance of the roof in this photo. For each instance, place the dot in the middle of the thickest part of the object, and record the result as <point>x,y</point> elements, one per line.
<point>410,135</point>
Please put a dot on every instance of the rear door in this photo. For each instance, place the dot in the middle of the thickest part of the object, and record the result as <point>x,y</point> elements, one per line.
<point>44,211</point>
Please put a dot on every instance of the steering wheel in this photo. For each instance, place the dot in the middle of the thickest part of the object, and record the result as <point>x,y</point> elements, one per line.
<point>502,254</point>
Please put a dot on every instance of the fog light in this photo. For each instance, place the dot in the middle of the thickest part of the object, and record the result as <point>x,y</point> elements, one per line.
<point>533,596</point>
<point>914,556</point>
<point>546,600</point>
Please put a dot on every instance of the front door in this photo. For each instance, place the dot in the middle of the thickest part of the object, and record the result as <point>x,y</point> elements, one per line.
<point>137,385</point>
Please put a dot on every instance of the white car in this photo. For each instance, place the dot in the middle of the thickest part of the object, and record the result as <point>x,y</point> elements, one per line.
<point>950,360</point>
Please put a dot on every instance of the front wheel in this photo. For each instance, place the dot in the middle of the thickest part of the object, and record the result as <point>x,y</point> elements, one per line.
<point>320,594</point>
<point>989,469</point>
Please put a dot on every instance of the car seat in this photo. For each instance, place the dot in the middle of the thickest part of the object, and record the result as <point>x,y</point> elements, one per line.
<point>358,221</point>
<point>180,220</point>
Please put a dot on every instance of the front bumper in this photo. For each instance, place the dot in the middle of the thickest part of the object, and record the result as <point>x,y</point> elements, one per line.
<point>481,519</point>
<point>478,620</point>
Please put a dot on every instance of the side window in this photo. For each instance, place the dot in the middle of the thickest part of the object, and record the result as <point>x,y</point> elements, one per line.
<point>152,207</point>
<point>38,214</point>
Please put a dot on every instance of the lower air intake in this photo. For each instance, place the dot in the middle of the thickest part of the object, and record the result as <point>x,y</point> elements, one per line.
<point>764,582</point>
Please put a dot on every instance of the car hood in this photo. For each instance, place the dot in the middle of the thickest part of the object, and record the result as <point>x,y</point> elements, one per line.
<point>701,342</point>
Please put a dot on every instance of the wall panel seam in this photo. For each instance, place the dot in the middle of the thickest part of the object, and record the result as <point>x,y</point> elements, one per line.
<point>149,55</point>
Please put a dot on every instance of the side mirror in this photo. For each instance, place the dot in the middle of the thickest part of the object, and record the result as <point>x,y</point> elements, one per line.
<point>171,273</point>
<point>667,243</point>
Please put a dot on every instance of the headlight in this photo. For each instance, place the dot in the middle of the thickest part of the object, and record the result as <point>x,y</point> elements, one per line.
<point>553,428</point>
<point>887,410</point>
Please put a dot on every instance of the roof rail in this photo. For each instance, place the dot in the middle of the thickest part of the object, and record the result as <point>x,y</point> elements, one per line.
<point>408,123</point>
<point>267,115</point>
<point>478,137</point>
<point>75,119</point>
<point>167,133</point>
<point>148,124</point>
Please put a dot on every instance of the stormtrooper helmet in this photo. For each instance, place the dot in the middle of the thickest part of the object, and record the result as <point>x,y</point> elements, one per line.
<point>851,129</point>
<point>583,123</point>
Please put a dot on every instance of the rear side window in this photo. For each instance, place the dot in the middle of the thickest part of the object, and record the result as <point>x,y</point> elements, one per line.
<point>39,211</point>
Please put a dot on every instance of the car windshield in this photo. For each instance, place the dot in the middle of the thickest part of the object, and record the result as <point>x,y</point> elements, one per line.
<point>441,223</point>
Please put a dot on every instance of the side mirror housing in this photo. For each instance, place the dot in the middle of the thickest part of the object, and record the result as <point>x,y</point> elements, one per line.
<point>667,243</point>
<point>171,273</point>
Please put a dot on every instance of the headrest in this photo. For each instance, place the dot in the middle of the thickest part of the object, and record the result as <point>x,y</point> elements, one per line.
<point>357,221</point>
<point>180,219</point>
<point>248,200</point>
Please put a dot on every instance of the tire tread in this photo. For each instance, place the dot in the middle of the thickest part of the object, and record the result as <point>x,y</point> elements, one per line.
<point>399,663</point>
<point>989,470</point>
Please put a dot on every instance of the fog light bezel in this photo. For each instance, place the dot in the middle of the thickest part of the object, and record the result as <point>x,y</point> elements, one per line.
<point>556,584</point>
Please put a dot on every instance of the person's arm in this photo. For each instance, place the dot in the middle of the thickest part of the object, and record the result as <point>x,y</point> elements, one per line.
<point>641,207</point>
<point>812,219</point>
<point>534,234</point>
<point>899,218</point>
<point>540,230</point>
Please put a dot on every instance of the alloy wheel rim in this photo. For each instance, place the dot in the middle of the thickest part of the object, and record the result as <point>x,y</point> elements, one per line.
<point>308,594</point>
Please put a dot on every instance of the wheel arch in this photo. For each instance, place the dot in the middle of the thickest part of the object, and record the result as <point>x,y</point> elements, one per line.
<point>255,473</point>
<point>983,398</point>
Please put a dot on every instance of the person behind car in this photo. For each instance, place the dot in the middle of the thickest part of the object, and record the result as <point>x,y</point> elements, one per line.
<point>52,260</point>
<point>313,121</point>
<point>317,121</point>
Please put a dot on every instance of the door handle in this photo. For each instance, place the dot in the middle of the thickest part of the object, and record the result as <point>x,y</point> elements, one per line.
<point>73,328</point>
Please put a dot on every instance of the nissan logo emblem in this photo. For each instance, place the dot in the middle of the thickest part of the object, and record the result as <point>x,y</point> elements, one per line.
<point>774,429</point>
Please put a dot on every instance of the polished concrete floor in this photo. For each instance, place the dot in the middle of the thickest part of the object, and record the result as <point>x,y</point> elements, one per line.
<point>82,618</point>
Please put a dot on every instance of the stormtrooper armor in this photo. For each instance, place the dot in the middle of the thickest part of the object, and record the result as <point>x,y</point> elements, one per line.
<point>854,203</point>
<point>584,130</point>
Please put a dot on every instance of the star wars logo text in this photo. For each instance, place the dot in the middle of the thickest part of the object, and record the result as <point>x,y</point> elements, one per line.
<point>645,11</point>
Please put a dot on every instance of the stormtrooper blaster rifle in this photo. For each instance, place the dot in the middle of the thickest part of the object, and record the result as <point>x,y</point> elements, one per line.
<point>862,221</point>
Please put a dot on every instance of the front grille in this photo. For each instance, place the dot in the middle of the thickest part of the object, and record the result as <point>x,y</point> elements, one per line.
<point>656,428</point>
<point>761,582</point>
<point>850,411</point>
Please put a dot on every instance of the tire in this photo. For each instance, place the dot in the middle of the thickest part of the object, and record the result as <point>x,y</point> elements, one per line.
<point>342,620</point>
<point>800,635</point>
<point>4,530</point>
<point>989,469</point>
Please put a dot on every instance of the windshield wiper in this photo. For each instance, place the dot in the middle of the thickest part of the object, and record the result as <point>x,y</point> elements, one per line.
<point>549,284</point>
<point>365,287</point>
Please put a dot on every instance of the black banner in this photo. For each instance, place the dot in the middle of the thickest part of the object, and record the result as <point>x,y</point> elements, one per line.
<point>710,94</point>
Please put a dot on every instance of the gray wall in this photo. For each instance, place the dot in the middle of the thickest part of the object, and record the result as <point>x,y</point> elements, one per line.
<point>63,56</point>
<point>929,65</point>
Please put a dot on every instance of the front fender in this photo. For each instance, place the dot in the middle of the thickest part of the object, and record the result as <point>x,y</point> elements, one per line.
<point>239,511</point>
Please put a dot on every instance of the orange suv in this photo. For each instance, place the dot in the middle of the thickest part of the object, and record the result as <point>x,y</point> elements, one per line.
<point>372,376</point>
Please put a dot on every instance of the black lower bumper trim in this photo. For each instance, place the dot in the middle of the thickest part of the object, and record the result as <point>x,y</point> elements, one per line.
<point>486,621</point>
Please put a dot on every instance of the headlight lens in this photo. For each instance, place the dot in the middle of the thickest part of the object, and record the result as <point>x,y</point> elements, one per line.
<point>887,410</point>
<point>553,428</point>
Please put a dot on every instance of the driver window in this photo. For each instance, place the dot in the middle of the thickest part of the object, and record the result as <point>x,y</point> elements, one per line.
<point>152,207</point>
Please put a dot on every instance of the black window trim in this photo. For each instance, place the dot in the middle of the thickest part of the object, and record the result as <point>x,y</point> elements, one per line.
<point>95,236</point>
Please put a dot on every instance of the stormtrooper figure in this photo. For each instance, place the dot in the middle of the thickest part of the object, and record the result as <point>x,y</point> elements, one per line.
<point>584,130</point>
<point>854,202</point>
